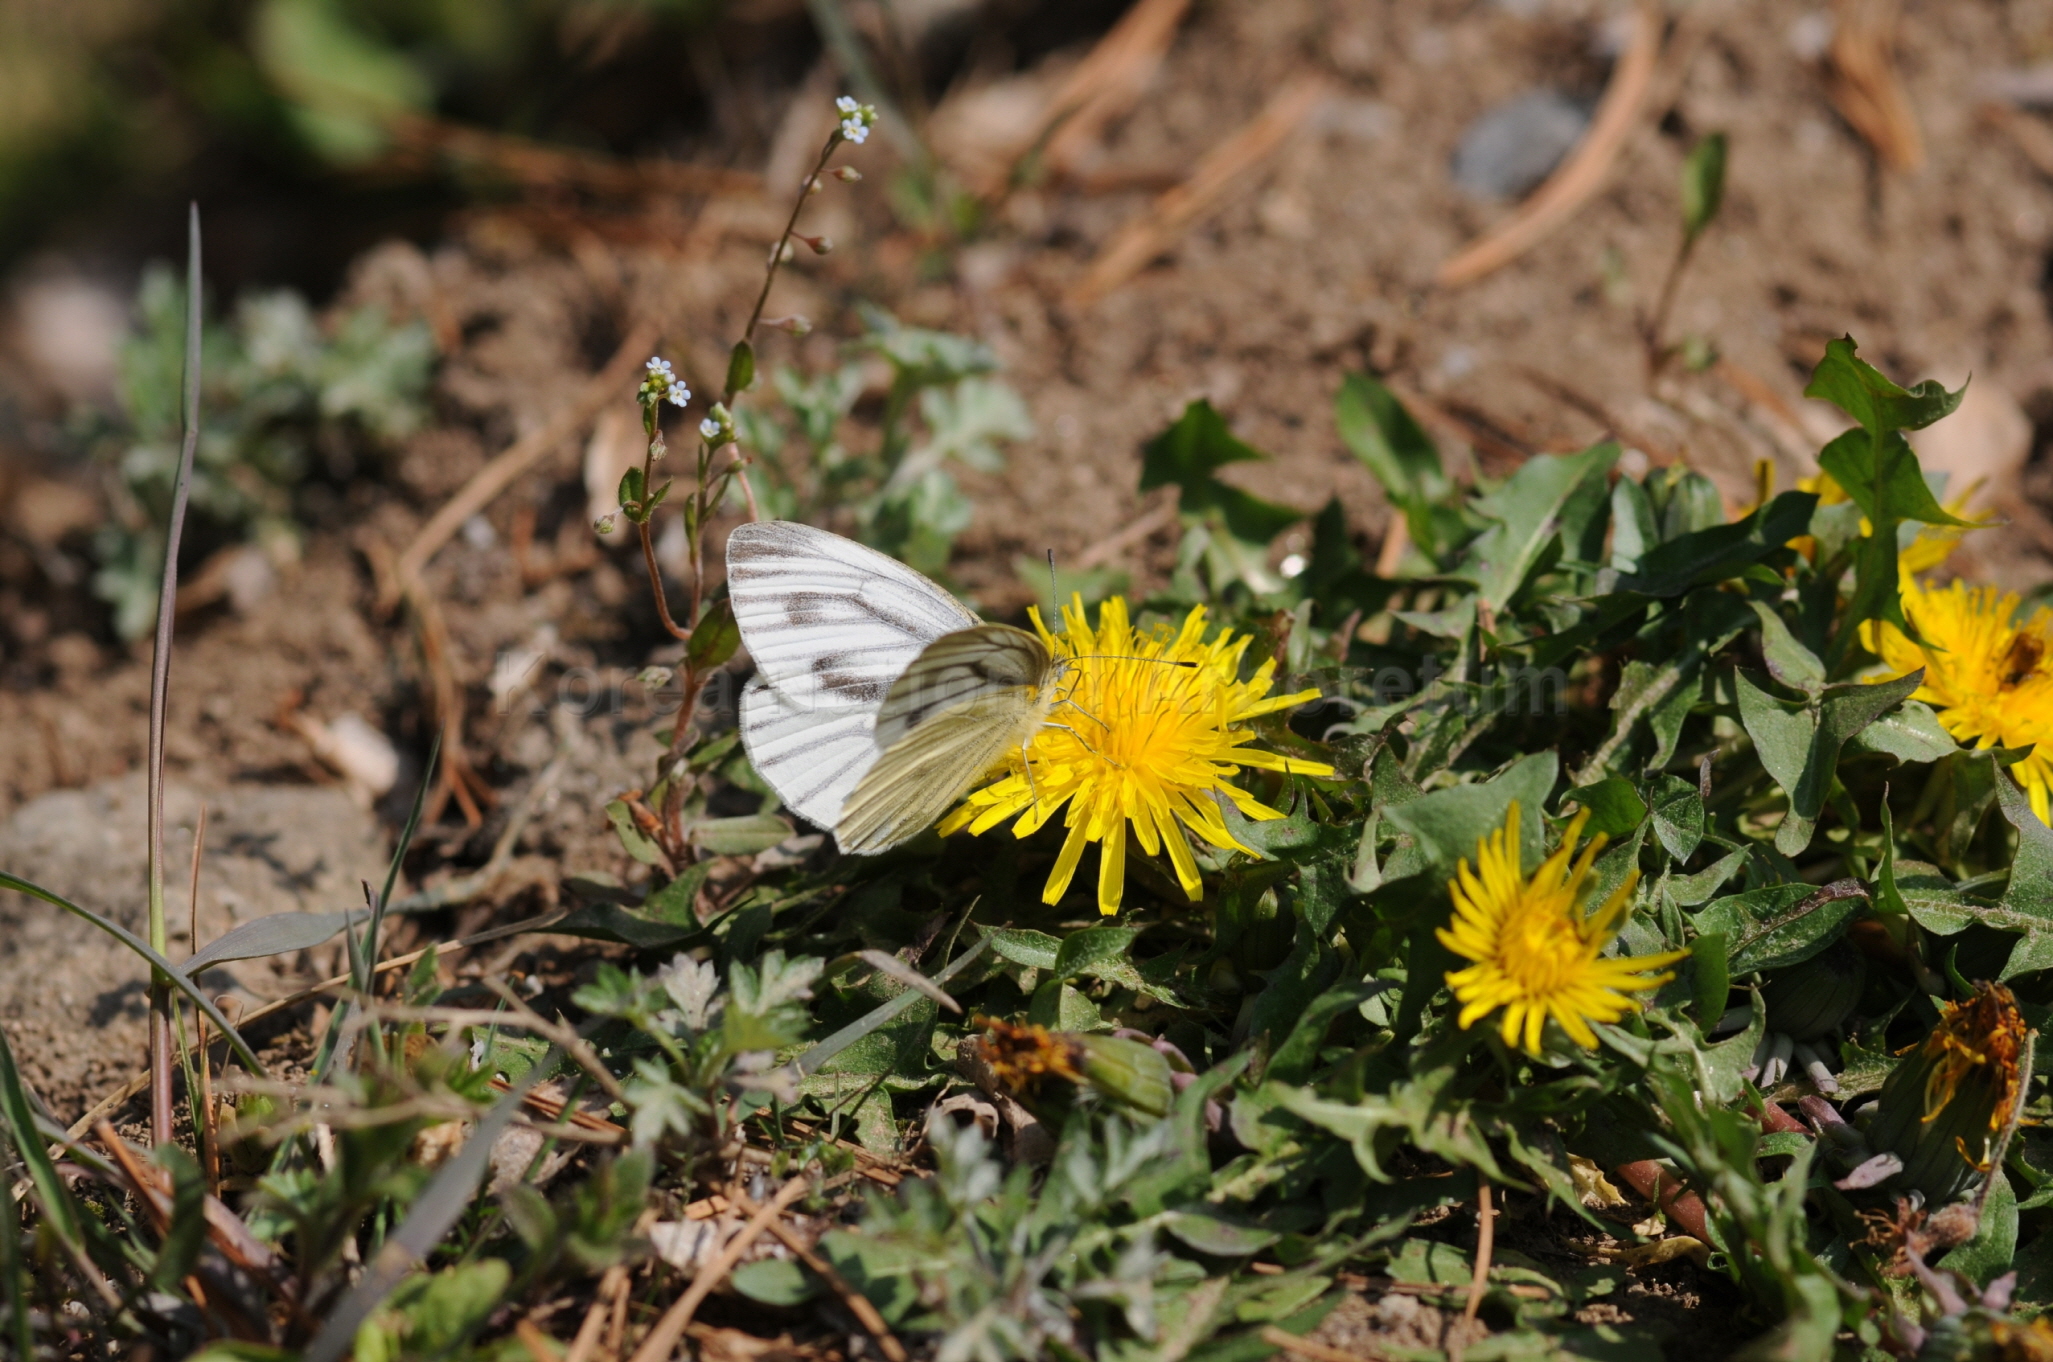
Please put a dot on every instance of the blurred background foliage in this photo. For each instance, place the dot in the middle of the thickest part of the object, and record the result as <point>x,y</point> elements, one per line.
<point>302,124</point>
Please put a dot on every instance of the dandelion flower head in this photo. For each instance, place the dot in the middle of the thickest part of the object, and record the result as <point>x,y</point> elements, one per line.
<point>1537,954</point>
<point>1988,671</point>
<point>1148,733</point>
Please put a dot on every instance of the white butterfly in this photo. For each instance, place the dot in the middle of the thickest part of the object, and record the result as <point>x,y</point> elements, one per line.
<point>878,700</point>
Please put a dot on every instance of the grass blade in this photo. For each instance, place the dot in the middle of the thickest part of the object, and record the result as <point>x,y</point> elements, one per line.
<point>161,1119</point>
<point>173,975</point>
<point>811,1060</point>
<point>440,1204</point>
<point>53,1198</point>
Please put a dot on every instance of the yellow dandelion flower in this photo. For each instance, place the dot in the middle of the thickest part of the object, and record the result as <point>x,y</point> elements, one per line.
<point>1988,671</point>
<point>1537,954</point>
<point>1150,731</point>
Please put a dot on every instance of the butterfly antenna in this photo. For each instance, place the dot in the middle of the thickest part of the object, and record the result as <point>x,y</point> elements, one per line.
<point>1054,591</point>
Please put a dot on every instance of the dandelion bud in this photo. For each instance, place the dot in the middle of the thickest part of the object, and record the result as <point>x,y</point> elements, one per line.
<point>1127,1071</point>
<point>1808,1001</point>
<point>846,174</point>
<point>1947,1103</point>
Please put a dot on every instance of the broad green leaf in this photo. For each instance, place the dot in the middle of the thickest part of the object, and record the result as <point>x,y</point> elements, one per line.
<point>1189,455</point>
<point>773,1281</point>
<point>742,836</point>
<point>1633,528</point>
<point>1788,661</point>
<point>1399,455</point>
<point>1782,731</point>
<point>1615,807</point>
<point>611,922</point>
<point>1210,1233</point>
<point>1036,950</point>
<point>1690,890</point>
<point>1713,977</point>
<point>714,638</point>
<point>2030,892</point>
<point>1094,950</point>
<point>1714,554</point>
<point>1988,1255</point>
<point>633,840</point>
<point>1527,511</point>
<point>1678,815</point>
<point>1799,744</point>
<point>1447,824</point>
<point>1864,393</point>
<point>277,934</point>
<point>1912,734</point>
<point>1894,491</point>
<point>1778,925</point>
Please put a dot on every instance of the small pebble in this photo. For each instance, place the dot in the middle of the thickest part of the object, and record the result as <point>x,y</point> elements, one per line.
<point>1511,148</point>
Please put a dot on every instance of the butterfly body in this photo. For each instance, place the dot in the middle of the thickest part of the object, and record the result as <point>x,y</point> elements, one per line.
<point>879,700</point>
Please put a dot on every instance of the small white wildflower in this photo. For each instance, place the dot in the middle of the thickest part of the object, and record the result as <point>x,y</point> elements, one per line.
<point>659,365</point>
<point>680,396</point>
<point>709,428</point>
<point>856,119</point>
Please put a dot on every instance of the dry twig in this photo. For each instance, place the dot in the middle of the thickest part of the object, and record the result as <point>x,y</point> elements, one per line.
<point>1147,236</point>
<point>1109,81</point>
<point>662,1340</point>
<point>1864,84</point>
<point>858,1304</point>
<point>1576,180</point>
<point>113,1101</point>
<point>1307,1348</point>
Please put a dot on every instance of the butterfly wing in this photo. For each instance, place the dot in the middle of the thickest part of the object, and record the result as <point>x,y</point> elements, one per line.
<point>811,757</point>
<point>957,668</point>
<point>828,622</point>
<point>958,709</point>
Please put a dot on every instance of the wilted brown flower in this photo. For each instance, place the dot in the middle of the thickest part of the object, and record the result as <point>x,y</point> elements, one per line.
<point>1947,1104</point>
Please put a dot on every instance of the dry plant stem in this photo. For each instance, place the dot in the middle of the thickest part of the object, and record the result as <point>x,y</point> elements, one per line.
<point>663,1339</point>
<point>537,165</point>
<point>161,1115</point>
<point>611,1283</point>
<point>1656,325</point>
<point>1109,81</point>
<point>1865,86</point>
<point>1155,231</point>
<point>858,1304</point>
<point>1486,1240</point>
<point>707,490</point>
<point>1578,178</point>
<point>113,1101</point>
<point>1306,1348</point>
<point>203,1113</point>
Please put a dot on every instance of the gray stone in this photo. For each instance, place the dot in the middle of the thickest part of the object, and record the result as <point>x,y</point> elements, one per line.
<point>72,998</point>
<point>1511,148</point>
